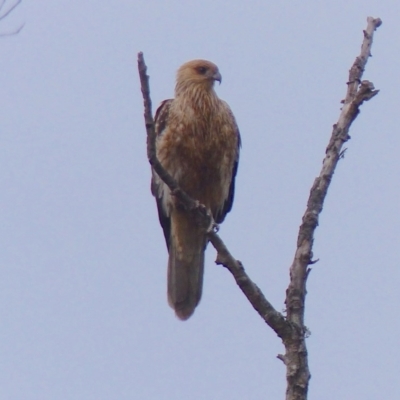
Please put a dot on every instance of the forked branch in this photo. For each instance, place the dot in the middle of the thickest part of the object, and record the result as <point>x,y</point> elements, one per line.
<point>358,91</point>
<point>291,329</point>
<point>272,317</point>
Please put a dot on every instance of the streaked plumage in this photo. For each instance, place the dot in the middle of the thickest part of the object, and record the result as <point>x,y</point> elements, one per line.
<point>198,144</point>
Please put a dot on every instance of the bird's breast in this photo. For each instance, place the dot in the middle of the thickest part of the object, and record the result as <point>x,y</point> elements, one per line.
<point>199,153</point>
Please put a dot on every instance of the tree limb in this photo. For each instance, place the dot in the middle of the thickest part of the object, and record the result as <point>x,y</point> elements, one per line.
<point>291,329</point>
<point>272,317</point>
<point>253,293</point>
<point>298,374</point>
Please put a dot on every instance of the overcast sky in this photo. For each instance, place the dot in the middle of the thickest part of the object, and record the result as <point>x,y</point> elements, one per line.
<point>83,305</point>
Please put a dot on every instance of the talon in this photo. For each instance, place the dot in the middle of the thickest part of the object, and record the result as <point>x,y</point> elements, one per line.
<point>215,227</point>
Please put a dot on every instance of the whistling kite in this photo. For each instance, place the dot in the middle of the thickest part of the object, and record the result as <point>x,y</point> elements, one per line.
<point>198,144</point>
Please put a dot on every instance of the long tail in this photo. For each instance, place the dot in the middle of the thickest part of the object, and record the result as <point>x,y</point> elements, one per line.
<point>185,264</point>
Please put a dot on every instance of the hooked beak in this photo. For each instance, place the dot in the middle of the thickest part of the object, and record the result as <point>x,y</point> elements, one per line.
<point>217,77</point>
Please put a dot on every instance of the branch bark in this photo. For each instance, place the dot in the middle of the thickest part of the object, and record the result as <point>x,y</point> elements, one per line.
<point>291,329</point>
<point>296,360</point>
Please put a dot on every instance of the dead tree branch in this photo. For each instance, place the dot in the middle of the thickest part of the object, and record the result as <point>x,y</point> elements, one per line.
<point>272,317</point>
<point>358,91</point>
<point>291,329</point>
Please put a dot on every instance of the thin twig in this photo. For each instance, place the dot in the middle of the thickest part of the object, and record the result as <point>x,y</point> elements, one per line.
<point>9,10</point>
<point>16,31</point>
<point>187,201</point>
<point>12,33</point>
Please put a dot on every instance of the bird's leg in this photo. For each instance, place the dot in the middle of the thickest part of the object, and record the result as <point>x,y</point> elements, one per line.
<point>214,227</point>
<point>202,214</point>
<point>205,219</point>
<point>178,203</point>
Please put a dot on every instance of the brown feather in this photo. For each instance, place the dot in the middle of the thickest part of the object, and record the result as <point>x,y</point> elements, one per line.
<point>185,264</point>
<point>198,144</point>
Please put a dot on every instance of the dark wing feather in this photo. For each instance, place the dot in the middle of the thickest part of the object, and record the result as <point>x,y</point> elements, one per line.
<point>161,117</point>
<point>221,214</point>
<point>160,120</point>
<point>165,221</point>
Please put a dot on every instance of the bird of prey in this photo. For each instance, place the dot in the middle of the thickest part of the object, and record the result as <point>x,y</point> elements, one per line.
<point>198,143</point>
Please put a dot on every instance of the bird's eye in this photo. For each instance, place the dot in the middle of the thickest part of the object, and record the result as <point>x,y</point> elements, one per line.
<point>202,70</point>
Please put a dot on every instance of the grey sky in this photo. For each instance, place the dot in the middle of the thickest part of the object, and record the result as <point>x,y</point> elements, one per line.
<point>83,263</point>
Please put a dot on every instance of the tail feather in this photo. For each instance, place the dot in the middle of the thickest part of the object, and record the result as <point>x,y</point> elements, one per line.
<point>185,264</point>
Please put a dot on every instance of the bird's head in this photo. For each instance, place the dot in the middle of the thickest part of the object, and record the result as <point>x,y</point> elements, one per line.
<point>200,73</point>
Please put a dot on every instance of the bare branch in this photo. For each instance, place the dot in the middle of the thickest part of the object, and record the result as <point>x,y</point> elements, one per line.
<point>253,293</point>
<point>291,330</point>
<point>151,139</point>
<point>272,317</point>
<point>298,374</point>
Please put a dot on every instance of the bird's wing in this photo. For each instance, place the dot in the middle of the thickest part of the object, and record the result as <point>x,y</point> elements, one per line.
<point>228,202</point>
<point>157,186</point>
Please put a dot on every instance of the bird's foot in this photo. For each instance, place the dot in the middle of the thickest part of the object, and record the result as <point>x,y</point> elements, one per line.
<point>205,219</point>
<point>214,227</point>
